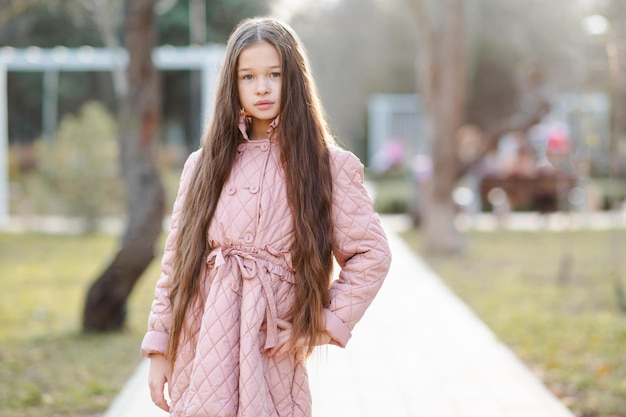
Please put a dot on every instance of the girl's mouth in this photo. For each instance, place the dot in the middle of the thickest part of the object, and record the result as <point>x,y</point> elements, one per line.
<point>263,104</point>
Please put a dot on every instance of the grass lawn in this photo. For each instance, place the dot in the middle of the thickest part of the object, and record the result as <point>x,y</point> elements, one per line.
<point>47,366</point>
<point>569,331</point>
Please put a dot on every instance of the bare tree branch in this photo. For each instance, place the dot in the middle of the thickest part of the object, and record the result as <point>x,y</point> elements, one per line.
<point>530,113</point>
<point>14,8</point>
<point>107,15</point>
<point>164,6</point>
<point>425,62</point>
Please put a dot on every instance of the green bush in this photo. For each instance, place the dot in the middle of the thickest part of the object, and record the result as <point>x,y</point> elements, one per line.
<point>392,192</point>
<point>81,168</point>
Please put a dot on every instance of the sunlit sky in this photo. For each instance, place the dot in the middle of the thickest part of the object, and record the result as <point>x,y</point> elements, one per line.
<point>285,9</point>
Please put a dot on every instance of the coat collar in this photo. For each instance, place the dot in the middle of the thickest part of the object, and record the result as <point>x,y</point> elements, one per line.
<point>244,125</point>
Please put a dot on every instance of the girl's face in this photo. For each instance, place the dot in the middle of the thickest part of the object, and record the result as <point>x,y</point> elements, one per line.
<point>259,84</point>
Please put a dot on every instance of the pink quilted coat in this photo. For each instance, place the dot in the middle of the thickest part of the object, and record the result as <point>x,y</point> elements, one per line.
<point>247,282</point>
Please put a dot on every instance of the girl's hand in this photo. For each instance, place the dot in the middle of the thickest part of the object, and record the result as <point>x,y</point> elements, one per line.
<point>160,373</point>
<point>283,344</point>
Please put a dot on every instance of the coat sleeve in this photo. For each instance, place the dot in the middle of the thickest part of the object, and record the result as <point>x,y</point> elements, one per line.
<point>160,318</point>
<point>360,248</point>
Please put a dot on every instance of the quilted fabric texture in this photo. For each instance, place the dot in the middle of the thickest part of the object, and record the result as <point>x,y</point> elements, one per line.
<point>247,283</point>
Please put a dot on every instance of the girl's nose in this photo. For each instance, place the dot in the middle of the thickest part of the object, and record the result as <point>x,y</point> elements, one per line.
<point>262,87</point>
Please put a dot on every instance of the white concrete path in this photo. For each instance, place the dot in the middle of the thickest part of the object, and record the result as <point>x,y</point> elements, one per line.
<point>418,352</point>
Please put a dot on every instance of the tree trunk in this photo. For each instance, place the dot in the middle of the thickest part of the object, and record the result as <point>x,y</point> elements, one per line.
<point>441,81</point>
<point>138,123</point>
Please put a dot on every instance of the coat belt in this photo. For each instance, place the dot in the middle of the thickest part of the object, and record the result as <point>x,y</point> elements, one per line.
<point>249,266</point>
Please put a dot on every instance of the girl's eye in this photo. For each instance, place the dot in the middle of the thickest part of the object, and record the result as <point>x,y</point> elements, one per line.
<point>275,75</point>
<point>247,77</point>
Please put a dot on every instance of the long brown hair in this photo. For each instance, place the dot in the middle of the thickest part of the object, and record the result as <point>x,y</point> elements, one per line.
<point>304,140</point>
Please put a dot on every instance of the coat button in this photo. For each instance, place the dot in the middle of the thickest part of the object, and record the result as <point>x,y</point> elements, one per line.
<point>241,147</point>
<point>248,238</point>
<point>231,189</point>
<point>254,189</point>
<point>265,147</point>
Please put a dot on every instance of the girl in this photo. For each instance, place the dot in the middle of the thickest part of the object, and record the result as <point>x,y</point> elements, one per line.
<point>264,205</point>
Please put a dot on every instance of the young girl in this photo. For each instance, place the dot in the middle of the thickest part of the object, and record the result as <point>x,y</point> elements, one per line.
<point>264,205</point>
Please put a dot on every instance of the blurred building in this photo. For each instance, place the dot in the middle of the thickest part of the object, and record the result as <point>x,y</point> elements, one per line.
<point>395,130</point>
<point>51,62</point>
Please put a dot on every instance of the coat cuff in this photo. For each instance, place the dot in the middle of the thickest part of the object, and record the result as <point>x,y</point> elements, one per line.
<point>154,343</point>
<point>337,329</point>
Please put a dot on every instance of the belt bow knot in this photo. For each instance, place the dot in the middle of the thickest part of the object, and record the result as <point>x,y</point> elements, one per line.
<point>248,266</point>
